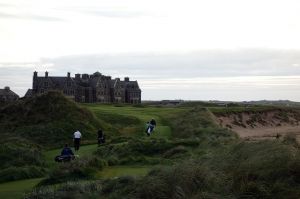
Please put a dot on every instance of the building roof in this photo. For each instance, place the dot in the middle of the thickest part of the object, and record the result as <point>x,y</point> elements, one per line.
<point>7,92</point>
<point>91,81</point>
<point>28,93</point>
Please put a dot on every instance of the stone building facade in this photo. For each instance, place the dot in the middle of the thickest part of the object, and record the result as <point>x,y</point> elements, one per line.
<point>95,88</point>
<point>7,95</point>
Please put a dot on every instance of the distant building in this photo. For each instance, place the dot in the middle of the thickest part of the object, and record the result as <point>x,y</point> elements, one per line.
<point>95,88</point>
<point>7,95</point>
<point>171,102</point>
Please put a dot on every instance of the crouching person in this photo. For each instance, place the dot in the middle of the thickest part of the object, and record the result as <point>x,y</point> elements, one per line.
<point>66,155</point>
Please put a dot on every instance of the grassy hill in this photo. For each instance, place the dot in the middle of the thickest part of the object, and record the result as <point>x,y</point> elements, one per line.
<point>49,120</point>
<point>29,126</point>
<point>188,156</point>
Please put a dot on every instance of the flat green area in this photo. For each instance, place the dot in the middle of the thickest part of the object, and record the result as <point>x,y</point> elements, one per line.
<point>16,189</point>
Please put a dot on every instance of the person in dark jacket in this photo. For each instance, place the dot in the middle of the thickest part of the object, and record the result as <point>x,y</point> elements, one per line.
<point>66,155</point>
<point>101,137</point>
<point>67,151</point>
<point>152,124</point>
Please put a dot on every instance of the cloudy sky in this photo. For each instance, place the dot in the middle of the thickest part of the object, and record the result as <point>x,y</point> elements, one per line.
<point>192,49</point>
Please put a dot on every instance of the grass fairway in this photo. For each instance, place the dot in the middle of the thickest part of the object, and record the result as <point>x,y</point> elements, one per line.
<point>16,189</point>
<point>131,120</point>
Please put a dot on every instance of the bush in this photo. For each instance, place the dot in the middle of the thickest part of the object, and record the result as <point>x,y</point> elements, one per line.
<point>144,151</point>
<point>75,170</point>
<point>18,153</point>
<point>20,160</point>
<point>91,189</point>
<point>180,181</point>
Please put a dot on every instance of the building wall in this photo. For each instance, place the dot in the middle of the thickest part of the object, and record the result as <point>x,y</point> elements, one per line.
<point>89,88</point>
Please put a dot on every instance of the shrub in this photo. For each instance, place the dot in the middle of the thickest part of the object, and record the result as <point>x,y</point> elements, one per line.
<point>91,189</point>
<point>78,169</point>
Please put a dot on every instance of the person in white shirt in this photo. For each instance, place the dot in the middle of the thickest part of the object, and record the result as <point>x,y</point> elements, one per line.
<point>77,137</point>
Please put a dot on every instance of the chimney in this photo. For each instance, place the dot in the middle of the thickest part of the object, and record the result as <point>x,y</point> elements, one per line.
<point>77,76</point>
<point>46,74</point>
<point>85,76</point>
<point>126,79</point>
<point>6,88</point>
<point>69,74</point>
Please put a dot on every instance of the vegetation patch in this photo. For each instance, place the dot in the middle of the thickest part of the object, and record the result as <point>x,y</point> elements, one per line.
<point>48,119</point>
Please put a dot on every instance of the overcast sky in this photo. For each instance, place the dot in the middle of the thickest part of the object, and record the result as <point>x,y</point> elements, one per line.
<point>192,49</point>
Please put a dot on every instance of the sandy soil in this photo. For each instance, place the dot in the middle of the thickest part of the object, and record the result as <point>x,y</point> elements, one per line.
<point>267,132</point>
<point>268,127</point>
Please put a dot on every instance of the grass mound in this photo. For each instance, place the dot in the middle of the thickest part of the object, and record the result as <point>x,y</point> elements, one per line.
<point>197,122</point>
<point>49,119</point>
<point>146,151</point>
<point>20,160</point>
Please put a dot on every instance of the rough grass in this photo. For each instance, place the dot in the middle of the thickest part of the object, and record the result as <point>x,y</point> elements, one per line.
<point>194,158</point>
<point>49,119</point>
<point>20,159</point>
<point>266,169</point>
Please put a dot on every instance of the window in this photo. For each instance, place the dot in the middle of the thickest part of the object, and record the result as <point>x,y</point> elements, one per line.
<point>46,84</point>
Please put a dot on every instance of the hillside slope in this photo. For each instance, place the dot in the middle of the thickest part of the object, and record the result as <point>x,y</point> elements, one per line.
<point>261,123</point>
<point>49,119</point>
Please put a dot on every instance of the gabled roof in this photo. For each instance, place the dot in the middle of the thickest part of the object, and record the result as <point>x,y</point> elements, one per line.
<point>131,84</point>
<point>28,93</point>
<point>7,92</point>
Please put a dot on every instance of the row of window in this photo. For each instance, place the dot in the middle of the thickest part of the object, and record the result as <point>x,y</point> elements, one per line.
<point>134,95</point>
<point>66,92</point>
<point>46,84</point>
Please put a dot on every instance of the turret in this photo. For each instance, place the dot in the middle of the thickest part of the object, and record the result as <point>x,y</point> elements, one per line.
<point>34,82</point>
<point>69,74</point>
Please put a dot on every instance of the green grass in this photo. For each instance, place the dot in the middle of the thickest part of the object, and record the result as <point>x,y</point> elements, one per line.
<point>193,157</point>
<point>16,189</point>
<point>48,120</point>
<point>119,171</point>
<point>133,119</point>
